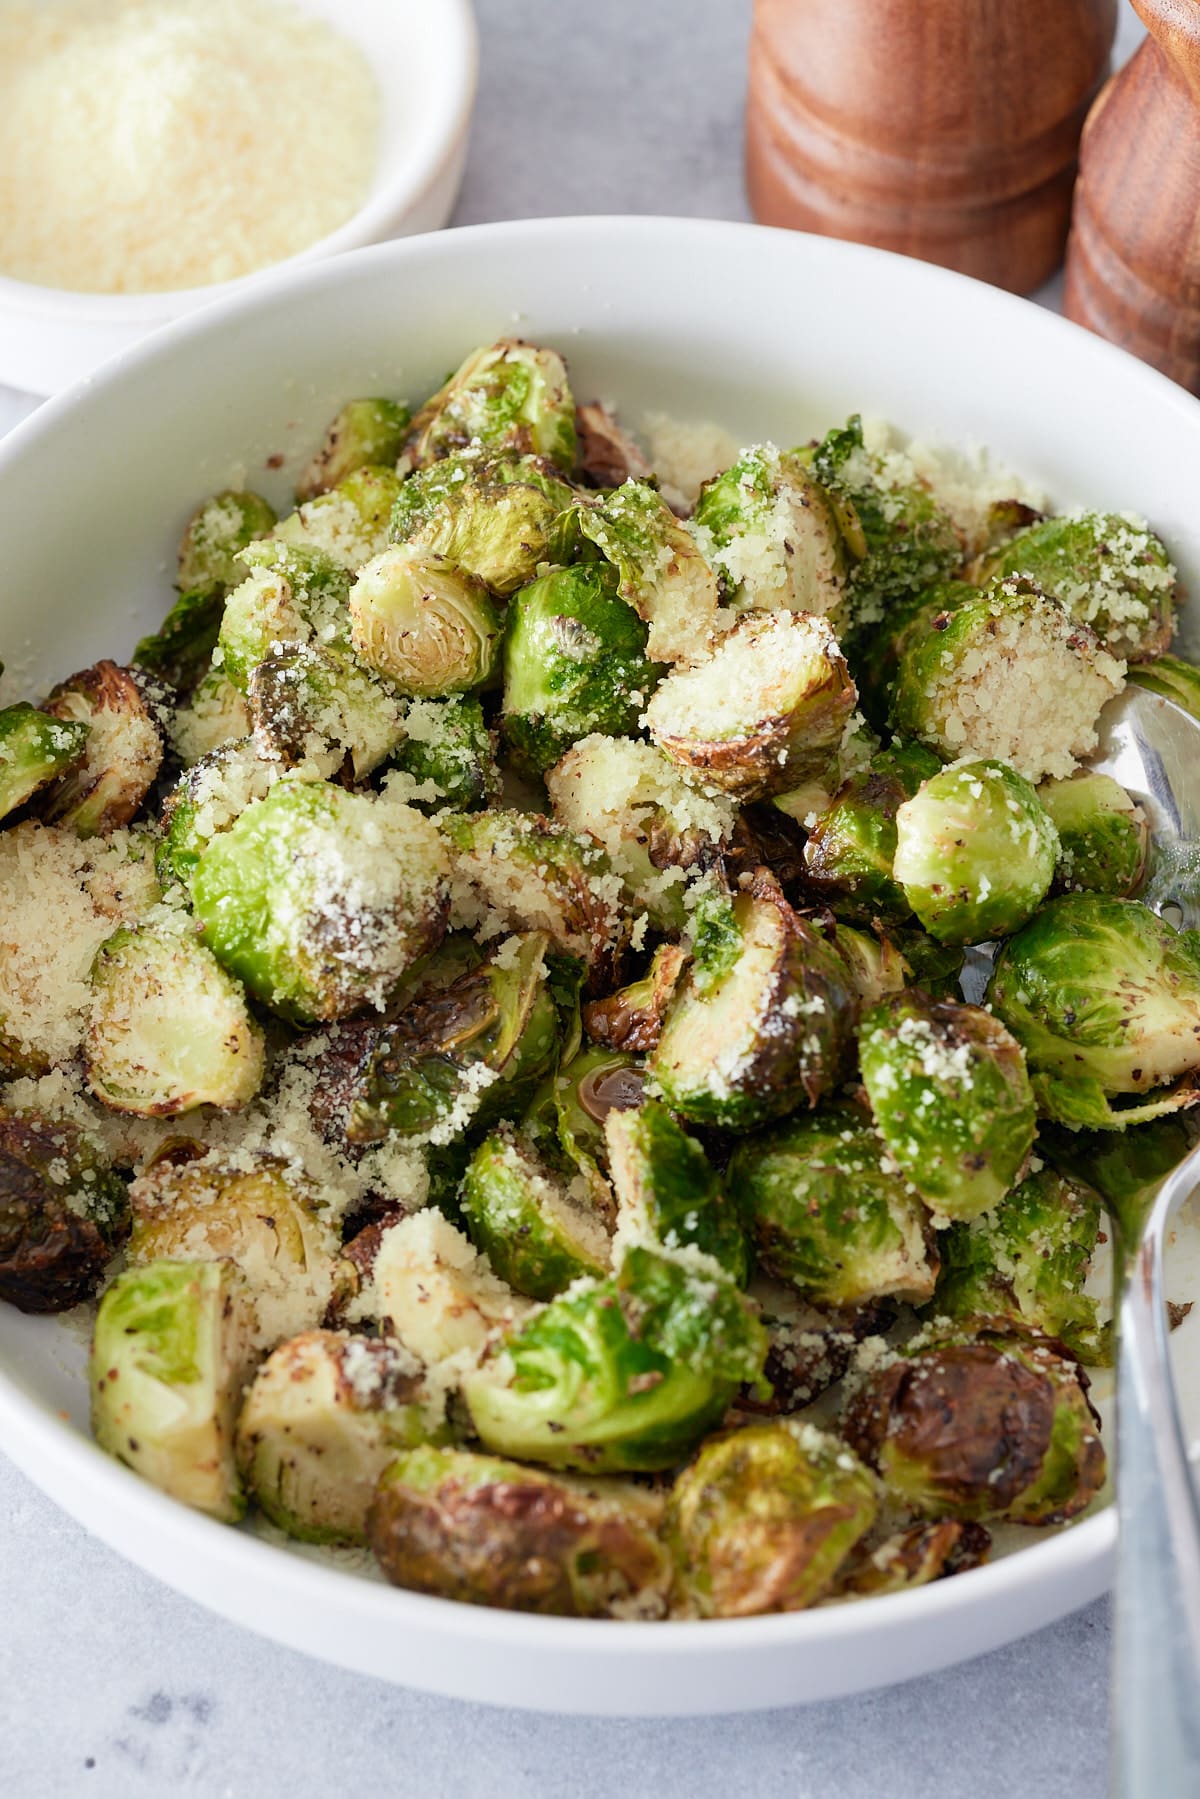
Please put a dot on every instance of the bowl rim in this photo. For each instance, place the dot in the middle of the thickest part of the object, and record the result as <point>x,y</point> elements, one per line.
<point>453,85</point>
<point>34,1437</point>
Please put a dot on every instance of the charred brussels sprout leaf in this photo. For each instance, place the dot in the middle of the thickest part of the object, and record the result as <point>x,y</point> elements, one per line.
<point>667,1194</point>
<point>624,1373</point>
<point>765,1517</point>
<point>429,627</point>
<point>914,1557</point>
<point>105,788</point>
<point>362,433</point>
<point>35,749</point>
<point>319,900</point>
<point>62,1212</point>
<point>575,662</point>
<point>510,396</point>
<point>489,1532</point>
<point>772,534</point>
<point>951,1099</point>
<point>170,1355</point>
<point>1103,836</point>
<point>660,571</point>
<point>876,966</point>
<point>497,518</point>
<point>995,1425</point>
<point>631,1019</point>
<point>180,651</point>
<point>975,852</point>
<point>851,848</point>
<point>447,746</point>
<point>538,1232</point>
<point>827,1217</point>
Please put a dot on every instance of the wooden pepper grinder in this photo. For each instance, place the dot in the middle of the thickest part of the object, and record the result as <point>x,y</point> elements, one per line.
<point>947,129</point>
<point>1133,262</point>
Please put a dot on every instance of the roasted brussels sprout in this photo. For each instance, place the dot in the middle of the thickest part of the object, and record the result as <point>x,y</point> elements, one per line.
<point>1103,836</point>
<point>767,708</point>
<point>489,1532</point>
<point>324,1416</point>
<point>169,1029</point>
<point>213,537</point>
<point>656,826</point>
<point>124,748</point>
<point>214,715</point>
<point>773,536</point>
<point>1108,570</point>
<point>667,1194</point>
<point>509,396</point>
<point>1105,999</point>
<point>425,624</point>
<point>498,518</point>
<point>900,540</point>
<point>36,749</point>
<point>632,1018</point>
<point>205,801</point>
<point>951,1099</point>
<point>318,900</point>
<point>851,848</point>
<point>876,966</point>
<point>827,1215</point>
<point>991,1425</point>
<point>539,1232</point>
<point>62,1212</point>
<point>170,1355</point>
<point>466,1053</point>
<point>774,1031</point>
<point>765,1517</point>
<point>914,1557</point>
<point>308,709</point>
<point>1028,1258</point>
<point>660,571</point>
<point>433,1290</point>
<point>1004,674</point>
<point>448,748</point>
<point>571,1112</point>
<point>521,870</point>
<point>252,1209</point>
<point>350,523</point>
<point>575,662</point>
<point>623,1373</point>
<point>1171,677</point>
<point>363,433</point>
<point>975,853</point>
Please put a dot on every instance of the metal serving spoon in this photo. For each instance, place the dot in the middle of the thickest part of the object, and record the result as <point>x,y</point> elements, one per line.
<point>1152,747</point>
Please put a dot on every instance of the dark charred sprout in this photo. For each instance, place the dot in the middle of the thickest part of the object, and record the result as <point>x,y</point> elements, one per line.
<point>63,1213</point>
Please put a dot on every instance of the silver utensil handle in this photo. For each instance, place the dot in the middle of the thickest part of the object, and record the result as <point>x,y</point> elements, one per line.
<point>1156,1752</point>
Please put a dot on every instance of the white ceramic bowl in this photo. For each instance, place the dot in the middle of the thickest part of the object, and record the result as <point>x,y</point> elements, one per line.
<point>775,335</point>
<point>425,60</point>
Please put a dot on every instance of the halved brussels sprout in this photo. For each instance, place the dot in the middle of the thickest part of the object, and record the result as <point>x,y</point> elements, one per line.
<point>667,1194</point>
<point>489,1532</point>
<point>914,1557</point>
<point>498,518</point>
<point>448,746</point>
<point>1103,995</point>
<point>63,1212</point>
<point>774,1031</point>
<point>310,709</point>
<point>900,539</point>
<point>171,1353</point>
<point>876,966</point>
<point>575,662</point>
<point>1171,677</point>
<point>1006,674</point>
<point>319,900</point>
<point>661,573</point>
<point>765,1517</point>
<point>767,708</point>
<point>655,825</point>
<point>1108,569</point>
<point>122,753</point>
<point>463,1054</point>
<point>951,1099</point>
<point>623,1373</point>
<point>350,522</point>
<point>433,1290</point>
<point>509,396</point>
<point>1103,836</point>
<point>205,801</point>
<point>992,1425</point>
<point>580,1097</point>
<point>851,847</point>
<point>539,1232</point>
<point>324,1416</point>
<point>216,532</point>
<point>36,749</point>
<point>632,1018</point>
<point>360,434</point>
<point>169,1030</point>
<point>975,852</point>
<point>213,716</point>
<point>1029,1258</point>
<point>427,625</point>
<point>828,1216</point>
<point>522,871</point>
<point>607,453</point>
<point>772,534</point>
<point>251,1209</point>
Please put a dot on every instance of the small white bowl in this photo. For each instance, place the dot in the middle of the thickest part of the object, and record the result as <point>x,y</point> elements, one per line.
<point>425,58</point>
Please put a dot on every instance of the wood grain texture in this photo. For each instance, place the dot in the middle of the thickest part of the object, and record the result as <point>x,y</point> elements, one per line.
<point>1133,263</point>
<point>947,129</point>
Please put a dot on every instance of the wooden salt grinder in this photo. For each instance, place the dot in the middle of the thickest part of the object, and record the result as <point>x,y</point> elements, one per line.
<point>947,129</point>
<point>1133,263</point>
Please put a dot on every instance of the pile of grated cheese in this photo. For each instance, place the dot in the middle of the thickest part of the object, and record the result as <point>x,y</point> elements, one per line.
<point>158,144</point>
